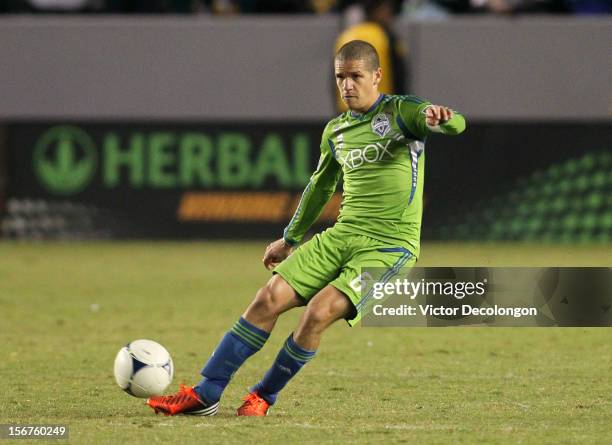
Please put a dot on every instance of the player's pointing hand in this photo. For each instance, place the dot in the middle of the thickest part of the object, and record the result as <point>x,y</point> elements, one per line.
<point>276,252</point>
<point>437,114</point>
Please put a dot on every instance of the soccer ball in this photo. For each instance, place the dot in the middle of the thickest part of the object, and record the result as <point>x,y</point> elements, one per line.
<point>143,368</point>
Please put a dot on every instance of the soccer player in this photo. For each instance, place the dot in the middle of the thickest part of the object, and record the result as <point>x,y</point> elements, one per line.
<point>378,147</point>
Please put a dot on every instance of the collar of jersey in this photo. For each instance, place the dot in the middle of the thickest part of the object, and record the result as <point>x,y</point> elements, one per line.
<point>374,105</point>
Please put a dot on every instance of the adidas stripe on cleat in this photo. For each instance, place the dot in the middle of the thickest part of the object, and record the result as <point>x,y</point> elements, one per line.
<point>208,411</point>
<point>185,401</point>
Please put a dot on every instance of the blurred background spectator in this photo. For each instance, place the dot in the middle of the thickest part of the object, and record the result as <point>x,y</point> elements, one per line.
<point>503,6</point>
<point>591,6</point>
<point>54,6</point>
<point>352,10</point>
<point>257,6</point>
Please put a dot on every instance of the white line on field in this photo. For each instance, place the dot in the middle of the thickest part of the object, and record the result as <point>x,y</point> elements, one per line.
<point>240,424</point>
<point>405,426</point>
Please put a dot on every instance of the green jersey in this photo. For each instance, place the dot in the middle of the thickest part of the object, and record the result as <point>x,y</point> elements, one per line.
<point>381,156</point>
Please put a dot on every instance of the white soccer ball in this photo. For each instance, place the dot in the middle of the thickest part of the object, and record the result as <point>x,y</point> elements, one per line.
<point>143,368</point>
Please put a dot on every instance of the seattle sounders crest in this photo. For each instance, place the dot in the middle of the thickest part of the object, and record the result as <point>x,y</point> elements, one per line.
<point>380,124</point>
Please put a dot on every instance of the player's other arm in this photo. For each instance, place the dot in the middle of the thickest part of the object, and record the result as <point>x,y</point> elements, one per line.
<point>317,193</point>
<point>422,117</point>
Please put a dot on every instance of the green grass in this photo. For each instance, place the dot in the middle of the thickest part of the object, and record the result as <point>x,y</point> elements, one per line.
<point>421,386</point>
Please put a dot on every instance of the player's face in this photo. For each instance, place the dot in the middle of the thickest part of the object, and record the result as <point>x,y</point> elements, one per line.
<point>358,85</point>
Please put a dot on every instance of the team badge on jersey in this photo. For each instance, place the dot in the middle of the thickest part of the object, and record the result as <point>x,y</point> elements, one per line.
<point>381,124</point>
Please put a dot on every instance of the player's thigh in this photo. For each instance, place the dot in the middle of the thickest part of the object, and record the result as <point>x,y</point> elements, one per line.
<point>313,265</point>
<point>378,263</point>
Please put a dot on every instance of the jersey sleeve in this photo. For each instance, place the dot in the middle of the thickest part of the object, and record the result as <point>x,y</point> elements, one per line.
<point>317,193</point>
<point>411,111</point>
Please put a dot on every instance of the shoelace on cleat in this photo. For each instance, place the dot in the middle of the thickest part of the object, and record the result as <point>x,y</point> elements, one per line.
<point>252,399</point>
<point>183,395</point>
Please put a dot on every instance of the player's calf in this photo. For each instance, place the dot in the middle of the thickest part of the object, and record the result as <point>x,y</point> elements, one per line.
<point>237,345</point>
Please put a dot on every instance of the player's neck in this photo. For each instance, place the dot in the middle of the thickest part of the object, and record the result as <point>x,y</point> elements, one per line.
<point>371,104</point>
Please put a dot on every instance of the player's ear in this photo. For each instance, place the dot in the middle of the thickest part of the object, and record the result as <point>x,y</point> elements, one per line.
<point>377,76</point>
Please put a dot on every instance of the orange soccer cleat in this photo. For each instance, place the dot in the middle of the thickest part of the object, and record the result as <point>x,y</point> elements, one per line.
<point>186,401</point>
<point>253,405</point>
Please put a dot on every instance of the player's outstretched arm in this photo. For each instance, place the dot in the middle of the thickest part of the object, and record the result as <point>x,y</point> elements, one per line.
<point>422,118</point>
<point>276,252</point>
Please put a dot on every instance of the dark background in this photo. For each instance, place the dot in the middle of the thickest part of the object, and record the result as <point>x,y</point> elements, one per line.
<point>462,172</point>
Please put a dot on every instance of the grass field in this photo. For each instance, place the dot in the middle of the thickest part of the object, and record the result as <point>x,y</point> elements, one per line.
<point>65,310</point>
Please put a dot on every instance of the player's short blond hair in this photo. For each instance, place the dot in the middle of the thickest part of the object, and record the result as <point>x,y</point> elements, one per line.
<point>359,50</point>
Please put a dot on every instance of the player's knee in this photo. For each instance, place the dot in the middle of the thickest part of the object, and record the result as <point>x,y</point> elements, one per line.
<point>318,316</point>
<point>267,301</point>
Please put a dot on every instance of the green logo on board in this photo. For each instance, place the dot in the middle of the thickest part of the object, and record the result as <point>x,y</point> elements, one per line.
<point>65,159</point>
